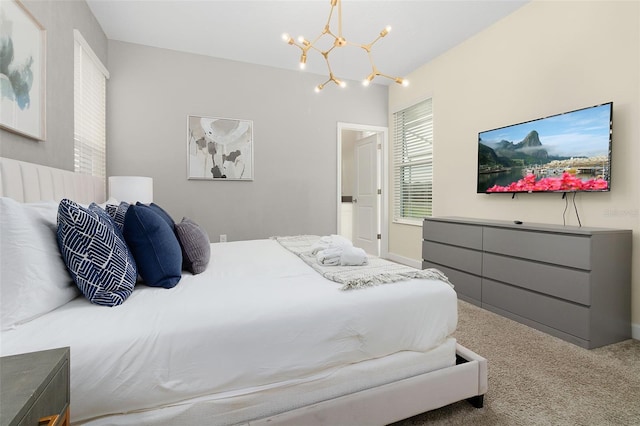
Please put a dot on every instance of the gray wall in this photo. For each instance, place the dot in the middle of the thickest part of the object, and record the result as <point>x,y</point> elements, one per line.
<point>294,191</point>
<point>59,19</point>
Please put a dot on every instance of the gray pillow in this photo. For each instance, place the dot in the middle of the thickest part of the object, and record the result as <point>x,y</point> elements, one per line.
<point>196,248</point>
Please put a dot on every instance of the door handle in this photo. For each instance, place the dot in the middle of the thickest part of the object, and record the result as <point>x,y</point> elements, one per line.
<point>355,200</point>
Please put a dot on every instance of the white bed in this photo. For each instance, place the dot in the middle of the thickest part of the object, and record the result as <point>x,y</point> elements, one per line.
<point>273,343</point>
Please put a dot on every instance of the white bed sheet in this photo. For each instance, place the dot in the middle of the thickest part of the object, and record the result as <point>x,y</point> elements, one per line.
<point>257,319</point>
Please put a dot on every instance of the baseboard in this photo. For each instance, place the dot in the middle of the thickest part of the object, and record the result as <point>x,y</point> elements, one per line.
<point>635,331</point>
<point>405,260</point>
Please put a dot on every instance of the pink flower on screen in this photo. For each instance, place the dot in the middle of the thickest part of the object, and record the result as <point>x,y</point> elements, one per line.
<point>567,182</point>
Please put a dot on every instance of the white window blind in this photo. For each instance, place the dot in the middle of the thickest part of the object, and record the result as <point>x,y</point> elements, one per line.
<point>89,100</point>
<point>413,162</point>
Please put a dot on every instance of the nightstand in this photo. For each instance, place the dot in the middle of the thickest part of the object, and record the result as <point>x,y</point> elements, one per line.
<point>34,388</point>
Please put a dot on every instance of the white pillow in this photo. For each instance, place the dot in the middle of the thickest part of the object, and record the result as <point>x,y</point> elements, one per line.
<point>33,277</point>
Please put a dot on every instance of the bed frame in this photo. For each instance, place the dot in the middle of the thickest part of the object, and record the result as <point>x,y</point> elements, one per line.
<point>27,182</point>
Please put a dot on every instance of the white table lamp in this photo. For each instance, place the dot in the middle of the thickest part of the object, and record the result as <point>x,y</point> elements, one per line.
<point>131,189</point>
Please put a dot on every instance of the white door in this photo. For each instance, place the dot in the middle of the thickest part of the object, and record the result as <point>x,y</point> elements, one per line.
<point>365,202</point>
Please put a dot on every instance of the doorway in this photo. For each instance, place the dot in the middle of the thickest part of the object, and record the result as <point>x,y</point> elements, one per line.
<point>362,181</point>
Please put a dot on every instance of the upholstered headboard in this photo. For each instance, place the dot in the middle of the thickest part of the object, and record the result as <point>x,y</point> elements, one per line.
<point>28,182</point>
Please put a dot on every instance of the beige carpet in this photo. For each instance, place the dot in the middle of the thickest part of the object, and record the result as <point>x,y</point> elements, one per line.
<point>537,379</point>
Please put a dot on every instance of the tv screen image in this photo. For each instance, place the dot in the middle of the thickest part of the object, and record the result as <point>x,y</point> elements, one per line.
<point>567,152</point>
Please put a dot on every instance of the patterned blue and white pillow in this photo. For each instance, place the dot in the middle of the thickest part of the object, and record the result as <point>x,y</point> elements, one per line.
<point>117,213</point>
<point>95,253</point>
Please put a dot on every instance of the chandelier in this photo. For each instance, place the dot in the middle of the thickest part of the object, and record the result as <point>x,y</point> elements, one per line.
<point>339,41</point>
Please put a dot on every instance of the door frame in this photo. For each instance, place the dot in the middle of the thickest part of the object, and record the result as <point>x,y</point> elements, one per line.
<point>383,167</point>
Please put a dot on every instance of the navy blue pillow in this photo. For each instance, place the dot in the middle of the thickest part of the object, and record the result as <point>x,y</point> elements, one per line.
<point>154,246</point>
<point>161,212</point>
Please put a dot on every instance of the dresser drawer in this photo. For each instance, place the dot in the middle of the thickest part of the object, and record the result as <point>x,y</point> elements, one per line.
<point>560,249</point>
<point>569,284</point>
<point>466,285</point>
<point>555,313</point>
<point>456,257</point>
<point>453,233</point>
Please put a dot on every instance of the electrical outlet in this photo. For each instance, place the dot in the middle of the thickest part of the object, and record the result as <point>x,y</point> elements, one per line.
<point>223,238</point>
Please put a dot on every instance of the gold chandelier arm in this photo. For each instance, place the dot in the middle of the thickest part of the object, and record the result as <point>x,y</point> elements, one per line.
<point>339,17</point>
<point>336,80</point>
<point>317,38</point>
<point>333,5</point>
<point>329,32</point>
<point>383,33</point>
<point>331,75</point>
<point>373,66</point>
<point>399,80</point>
<point>367,47</point>
<point>386,76</point>
<point>319,87</point>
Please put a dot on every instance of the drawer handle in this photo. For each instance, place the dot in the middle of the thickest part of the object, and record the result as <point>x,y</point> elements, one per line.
<point>49,420</point>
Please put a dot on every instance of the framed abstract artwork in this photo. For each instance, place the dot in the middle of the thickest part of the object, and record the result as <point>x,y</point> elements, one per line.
<point>22,71</point>
<point>219,148</point>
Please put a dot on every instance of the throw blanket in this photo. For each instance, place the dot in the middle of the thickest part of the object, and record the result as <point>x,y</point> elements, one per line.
<point>377,271</point>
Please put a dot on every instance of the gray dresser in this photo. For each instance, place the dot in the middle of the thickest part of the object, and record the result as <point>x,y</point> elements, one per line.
<point>571,282</point>
<point>34,388</point>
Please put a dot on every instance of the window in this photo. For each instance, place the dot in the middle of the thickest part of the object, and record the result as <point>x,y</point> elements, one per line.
<point>413,163</point>
<point>89,111</point>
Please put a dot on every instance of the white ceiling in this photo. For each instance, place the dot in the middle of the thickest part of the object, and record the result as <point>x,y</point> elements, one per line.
<point>251,31</point>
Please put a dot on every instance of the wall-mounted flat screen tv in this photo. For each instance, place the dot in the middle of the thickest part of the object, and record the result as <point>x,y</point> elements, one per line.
<point>567,152</point>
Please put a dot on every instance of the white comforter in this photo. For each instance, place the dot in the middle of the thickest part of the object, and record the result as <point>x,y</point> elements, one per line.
<point>258,318</point>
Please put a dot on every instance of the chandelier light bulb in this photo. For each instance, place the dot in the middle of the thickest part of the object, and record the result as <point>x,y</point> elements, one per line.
<point>318,88</point>
<point>342,84</point>
<point>303,61</point>
<point>368,80</point>
<point>402,81</point>
<point>287,38</point>
<point>385,31</point>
